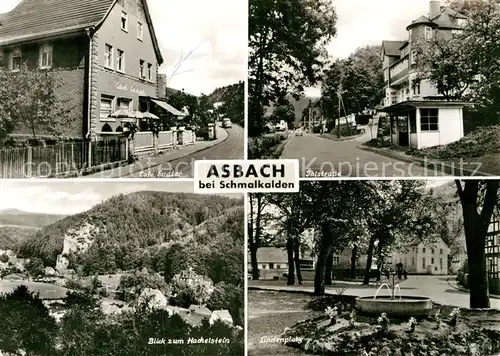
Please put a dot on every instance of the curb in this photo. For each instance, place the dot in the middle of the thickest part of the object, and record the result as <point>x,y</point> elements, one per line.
<point>461,289</point>
<point>281,147</point>
<point>449,169</point>
<point>344,138</point>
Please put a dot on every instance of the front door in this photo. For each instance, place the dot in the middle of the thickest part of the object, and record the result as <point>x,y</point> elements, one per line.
<point>404,137</point>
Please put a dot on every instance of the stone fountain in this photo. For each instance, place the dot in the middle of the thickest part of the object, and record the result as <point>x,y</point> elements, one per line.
<point>403,305</point>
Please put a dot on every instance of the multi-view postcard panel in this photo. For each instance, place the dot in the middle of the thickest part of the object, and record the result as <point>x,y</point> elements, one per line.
<point>108,91</point>
<point>378,89</point>
<point>374,267</point>
<point>133,268</point>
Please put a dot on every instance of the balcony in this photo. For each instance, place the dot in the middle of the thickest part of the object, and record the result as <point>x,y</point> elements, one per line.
<point>399,78</point>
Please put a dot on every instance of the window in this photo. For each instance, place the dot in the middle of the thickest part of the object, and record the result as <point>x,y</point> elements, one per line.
<point>141,69</point>
<point>423,250</point>
<point>413,57</point>
<point>106,107</point>
<point>108,56</point>
<point>125,103</point>
<point>423,262</point>
<point>124,21</point>
<point>413,261</point>
<point>432,260</point>
<point>416,89</point>
<point>336,260</point>
<point>150,71</point>
<point>15,60</point>
<point>432,250</point>
<point>271,266</point>
<point>428,33</point>
<point>45,56</point>
<point>441,262</point>
<point>140,30</point>
<point>429,120</point>
<point>120,60</point>
<point>440,251</point>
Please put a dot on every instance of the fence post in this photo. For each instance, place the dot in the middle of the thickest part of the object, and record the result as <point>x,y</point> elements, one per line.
<point>29,170</point>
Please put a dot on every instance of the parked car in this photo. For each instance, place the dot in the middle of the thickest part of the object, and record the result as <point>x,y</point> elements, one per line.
<point>226,123</point>
<point>299,132</point>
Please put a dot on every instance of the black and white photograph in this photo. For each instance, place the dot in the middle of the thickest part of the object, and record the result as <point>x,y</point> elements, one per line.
<point>120,88</point>
<point>378,267</point>
<point>386,88</point>
<point>120,268</point>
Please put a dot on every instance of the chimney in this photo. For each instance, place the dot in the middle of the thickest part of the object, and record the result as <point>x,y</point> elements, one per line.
<point>161,86</point>
<point>434,8</point>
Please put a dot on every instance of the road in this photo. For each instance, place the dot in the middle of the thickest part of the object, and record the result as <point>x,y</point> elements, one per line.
<point>322,157</point>
<point>439,288</point>
<point>180,163</point>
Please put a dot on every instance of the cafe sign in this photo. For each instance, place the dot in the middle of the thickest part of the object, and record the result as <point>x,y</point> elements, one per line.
<point>131,88</point>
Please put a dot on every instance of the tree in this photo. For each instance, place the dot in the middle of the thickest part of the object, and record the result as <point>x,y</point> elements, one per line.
<point>256,222</point>
<point>285,112</point>
<point>401,211</point>
<point>359,77</point>
<point>29,101</point>
<point>4,258</point>
<point>27,324</point>
<point>478,200</point>
<point>287,49</point>
<point>35,267</point>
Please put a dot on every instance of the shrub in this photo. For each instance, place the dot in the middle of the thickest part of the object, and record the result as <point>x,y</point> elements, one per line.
<point>264,147</point>
<point>230,297</point>
<point>379,142</point>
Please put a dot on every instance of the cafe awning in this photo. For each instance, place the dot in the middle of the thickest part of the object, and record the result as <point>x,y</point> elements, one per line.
<point>168,107</point>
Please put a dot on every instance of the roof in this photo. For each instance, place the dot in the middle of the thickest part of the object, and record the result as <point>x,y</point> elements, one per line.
<point>412,104</point>
<point>33,19</point>
<point>446,19</point>
<point>422,20</point>
<point>272,255</point>
<point>391,48</point>
<point>222,314</point>
<point>200,310</point>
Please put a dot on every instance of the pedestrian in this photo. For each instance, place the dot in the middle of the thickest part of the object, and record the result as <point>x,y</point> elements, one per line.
<point>405,273</point>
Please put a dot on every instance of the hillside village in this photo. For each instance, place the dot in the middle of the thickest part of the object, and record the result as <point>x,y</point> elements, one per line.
<point>77,262</point>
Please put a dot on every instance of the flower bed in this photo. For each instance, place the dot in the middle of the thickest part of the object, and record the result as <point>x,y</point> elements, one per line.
<point>447,331</point>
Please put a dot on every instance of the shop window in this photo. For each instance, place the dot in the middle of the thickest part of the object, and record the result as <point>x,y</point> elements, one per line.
<point>429,119</point>
<point>46,56</point>
<point>124,103</point>
<point>106,108</point>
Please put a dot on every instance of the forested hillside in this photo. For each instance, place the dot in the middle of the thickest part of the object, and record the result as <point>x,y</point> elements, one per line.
<point>164,232</point>
<point>233,97</point>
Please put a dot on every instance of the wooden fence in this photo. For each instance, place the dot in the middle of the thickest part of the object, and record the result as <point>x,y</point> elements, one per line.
<point>44,161</point>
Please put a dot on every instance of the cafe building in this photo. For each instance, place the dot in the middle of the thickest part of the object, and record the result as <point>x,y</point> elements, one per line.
<point>105,56</point>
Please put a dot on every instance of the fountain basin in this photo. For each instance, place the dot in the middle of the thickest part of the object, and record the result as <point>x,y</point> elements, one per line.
<point>406,306</point>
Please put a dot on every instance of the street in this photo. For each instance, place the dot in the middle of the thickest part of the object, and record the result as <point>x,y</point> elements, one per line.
<point>322,157</point>
<point>179,163</point>
<point>439,288</point>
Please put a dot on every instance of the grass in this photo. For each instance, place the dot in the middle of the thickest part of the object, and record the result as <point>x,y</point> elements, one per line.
<point>480,142</point>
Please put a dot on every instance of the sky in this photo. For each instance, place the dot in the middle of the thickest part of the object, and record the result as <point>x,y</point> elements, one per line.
<point>68,197</point>
<point>369,22</point>
<point>215,31</point>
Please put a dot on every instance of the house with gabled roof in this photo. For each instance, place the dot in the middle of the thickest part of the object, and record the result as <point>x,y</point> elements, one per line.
<point>104,53</point>
<point>419,114</point>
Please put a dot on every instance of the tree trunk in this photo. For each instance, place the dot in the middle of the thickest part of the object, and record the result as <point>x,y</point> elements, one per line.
<point>326,245</point>
<point>369,258</point>
<point>296,252</point>
<point>291,270</point>
<point>328,269</point>
<point>354,256</point>
<point>476,227</point>
<point>253,261</point>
